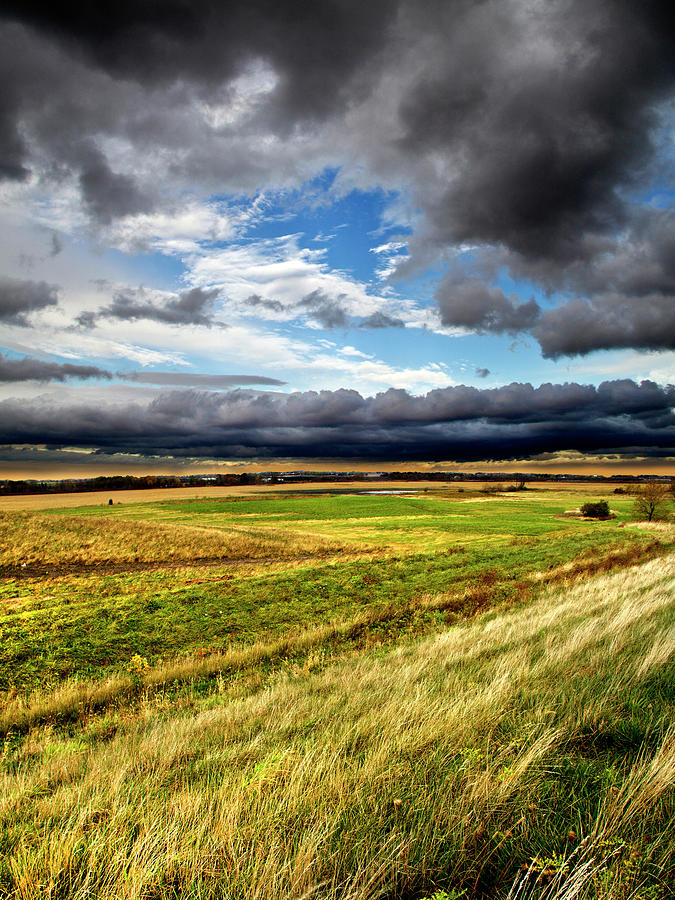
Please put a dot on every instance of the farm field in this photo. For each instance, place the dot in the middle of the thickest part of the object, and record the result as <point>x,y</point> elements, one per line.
<point>334,694</point>
<point>99,498</point>
<point>36,502</point>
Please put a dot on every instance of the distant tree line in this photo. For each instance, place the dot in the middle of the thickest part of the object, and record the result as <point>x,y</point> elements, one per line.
<point>144,482</point>
<point>121,483</point>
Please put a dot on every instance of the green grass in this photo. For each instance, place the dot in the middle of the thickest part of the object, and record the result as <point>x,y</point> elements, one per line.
<point>530,746</point>
<point>435,698</point>
<point>90,626</point>
<point>426,521</point>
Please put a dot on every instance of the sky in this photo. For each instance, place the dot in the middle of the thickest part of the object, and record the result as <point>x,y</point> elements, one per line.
<point>257,233</point>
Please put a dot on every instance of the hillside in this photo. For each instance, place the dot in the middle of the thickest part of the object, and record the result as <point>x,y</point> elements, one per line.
<point>509,733</point>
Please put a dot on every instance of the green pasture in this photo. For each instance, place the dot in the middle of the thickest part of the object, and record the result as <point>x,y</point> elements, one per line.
<point>423,521</point>
<point>89,625</point>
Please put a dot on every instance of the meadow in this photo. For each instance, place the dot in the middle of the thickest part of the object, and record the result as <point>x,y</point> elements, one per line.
<point>440,693</point>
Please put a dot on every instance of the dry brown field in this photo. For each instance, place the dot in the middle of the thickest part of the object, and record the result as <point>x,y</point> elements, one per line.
<point>34,502</point>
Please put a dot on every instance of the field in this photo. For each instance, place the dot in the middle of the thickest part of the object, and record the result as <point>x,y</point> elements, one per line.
<point>337,695</point>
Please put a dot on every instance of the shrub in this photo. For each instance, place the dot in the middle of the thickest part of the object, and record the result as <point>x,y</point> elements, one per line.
<point>598,510</point>
<point>493,487</point>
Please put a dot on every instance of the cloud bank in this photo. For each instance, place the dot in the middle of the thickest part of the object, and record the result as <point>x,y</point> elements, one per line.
<point>27,369</point>
<point>457,423</point>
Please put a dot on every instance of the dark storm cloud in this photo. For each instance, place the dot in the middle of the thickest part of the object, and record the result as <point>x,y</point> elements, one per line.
<point>12,145</point>
<point>605,323</point>
<point>544,146</point>
<point>543,111</point>
<point>18,299</point>
<point>624,296</point>
<point>327,311</point>
<point>187,379</point>
<point>191,307</point>
<point>28,369</point>
<point>316,46</point>
<point>474,304</point>
<point>381,320</point>
<point>482,373</point>
<point>107,194</point>
<point>100,66</point>
<point>461,423</point>
<point>639,262</point>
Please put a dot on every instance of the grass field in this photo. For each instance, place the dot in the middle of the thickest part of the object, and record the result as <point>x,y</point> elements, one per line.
<point>35,502</point>
<point>337,696</point>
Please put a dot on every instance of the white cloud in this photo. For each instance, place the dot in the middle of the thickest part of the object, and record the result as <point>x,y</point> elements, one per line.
<point>352,351</point>
<point>178,232</point>
<point>656,366</point>
<point>282,273</point>
<point>241,97</point>
<point>368,376</point>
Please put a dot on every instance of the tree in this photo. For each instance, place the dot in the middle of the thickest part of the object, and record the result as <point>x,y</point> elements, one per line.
<point>651,500</point>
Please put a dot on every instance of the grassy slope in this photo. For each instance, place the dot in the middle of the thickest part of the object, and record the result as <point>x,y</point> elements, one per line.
<point>536,743</point>
<point>34,540</point>
<point>90,625</point>
<point>270,751</point>
<point>426,520</point>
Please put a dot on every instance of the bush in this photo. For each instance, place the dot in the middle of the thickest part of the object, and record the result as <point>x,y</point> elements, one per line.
<point>493,487</point>
<point>599,510</point>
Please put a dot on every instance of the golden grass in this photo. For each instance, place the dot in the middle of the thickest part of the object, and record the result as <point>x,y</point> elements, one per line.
<point>77,697</point>
<point>36,502</point>
<point>153,495</point>
<point>375,777</point>
<point>36,540</point>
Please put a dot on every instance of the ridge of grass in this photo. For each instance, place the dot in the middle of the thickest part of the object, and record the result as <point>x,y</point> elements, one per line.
<point>91,627</point>
<point>33,539</point>
<point>387,624</point>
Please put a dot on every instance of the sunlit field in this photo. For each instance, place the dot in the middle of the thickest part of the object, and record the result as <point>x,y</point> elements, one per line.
<point>337,695</point>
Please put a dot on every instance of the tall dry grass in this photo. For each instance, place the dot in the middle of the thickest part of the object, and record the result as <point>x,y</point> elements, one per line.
<point>477,759</point>
<point>33,540</point>
<point>77,697</point>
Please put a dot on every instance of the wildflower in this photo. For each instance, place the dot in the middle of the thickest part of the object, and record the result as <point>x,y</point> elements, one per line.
<point>138,664</point>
